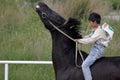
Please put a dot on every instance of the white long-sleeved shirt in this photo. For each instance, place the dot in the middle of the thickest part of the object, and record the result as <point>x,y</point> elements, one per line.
<point>98,35</point>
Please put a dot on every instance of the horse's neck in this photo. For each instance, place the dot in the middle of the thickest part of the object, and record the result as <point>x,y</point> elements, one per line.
<point>62,50</point>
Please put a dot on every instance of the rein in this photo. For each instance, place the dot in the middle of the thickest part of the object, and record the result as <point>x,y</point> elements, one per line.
<point>76,48</point>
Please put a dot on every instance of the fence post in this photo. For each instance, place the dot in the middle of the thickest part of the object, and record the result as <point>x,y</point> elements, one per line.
<point>6,72</point>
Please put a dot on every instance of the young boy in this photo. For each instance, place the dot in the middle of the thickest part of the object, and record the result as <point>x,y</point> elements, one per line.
<point>99,38</point>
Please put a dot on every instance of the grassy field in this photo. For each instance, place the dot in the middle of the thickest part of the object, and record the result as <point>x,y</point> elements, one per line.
<point>23,36</point>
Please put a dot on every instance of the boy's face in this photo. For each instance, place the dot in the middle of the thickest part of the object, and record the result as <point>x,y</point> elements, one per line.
<point>93,24</point>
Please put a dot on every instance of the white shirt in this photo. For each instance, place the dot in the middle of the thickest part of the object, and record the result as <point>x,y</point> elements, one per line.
<point>98,35</point>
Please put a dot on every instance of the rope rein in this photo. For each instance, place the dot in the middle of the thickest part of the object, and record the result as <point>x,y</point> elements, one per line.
<point>76,54</point>
<point>76,48</point>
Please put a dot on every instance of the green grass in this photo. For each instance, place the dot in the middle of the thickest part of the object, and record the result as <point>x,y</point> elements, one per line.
<point>31,72</point>
<point>28,72</point>
<point>23,37</point>
<point>115,4</point>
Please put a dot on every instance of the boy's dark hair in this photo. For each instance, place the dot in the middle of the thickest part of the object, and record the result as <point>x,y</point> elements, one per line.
<point>95,17</point>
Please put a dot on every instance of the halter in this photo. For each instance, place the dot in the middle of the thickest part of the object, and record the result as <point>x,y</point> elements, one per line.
<point>44,15</point>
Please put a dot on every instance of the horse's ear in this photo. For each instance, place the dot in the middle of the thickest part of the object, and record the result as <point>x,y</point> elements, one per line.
<point>71,22</point>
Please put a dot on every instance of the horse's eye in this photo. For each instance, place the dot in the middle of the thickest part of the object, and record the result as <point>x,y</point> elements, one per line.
<point>44,15</point>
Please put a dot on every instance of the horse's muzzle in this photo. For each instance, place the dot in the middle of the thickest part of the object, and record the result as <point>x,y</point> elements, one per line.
<point>37,6</point>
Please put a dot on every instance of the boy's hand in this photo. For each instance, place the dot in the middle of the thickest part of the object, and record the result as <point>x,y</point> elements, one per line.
<point>76,40</point>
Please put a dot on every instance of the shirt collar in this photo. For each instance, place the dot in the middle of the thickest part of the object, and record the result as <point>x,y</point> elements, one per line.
<point>99,27</point>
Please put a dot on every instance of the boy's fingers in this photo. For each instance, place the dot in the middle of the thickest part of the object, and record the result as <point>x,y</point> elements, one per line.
<point>76,40</point>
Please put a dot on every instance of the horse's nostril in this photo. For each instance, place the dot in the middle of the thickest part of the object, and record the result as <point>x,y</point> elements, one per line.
<point>37,6</point>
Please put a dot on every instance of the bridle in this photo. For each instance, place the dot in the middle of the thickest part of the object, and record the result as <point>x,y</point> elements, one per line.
<point>44,15</point>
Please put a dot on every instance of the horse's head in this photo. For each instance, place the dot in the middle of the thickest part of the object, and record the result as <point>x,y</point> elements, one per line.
<point>46,15</point>
<point>49,16</point>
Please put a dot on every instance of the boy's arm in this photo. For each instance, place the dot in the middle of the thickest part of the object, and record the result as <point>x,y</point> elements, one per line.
<point>91,39</point>
<point>86,36</point>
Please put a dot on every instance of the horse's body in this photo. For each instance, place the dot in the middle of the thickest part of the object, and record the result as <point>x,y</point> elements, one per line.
<point>63,51</point>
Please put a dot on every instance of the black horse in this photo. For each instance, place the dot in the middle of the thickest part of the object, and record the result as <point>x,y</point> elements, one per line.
<point>63,50</point>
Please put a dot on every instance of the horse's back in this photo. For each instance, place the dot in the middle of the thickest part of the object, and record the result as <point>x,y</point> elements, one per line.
<point>106,68</point>
<point>109,61</point>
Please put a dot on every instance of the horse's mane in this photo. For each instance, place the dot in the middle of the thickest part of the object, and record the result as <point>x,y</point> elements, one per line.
<point>73,27</point>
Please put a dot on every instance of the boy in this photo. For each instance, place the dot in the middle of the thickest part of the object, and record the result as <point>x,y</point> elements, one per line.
<point>99,38</point>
